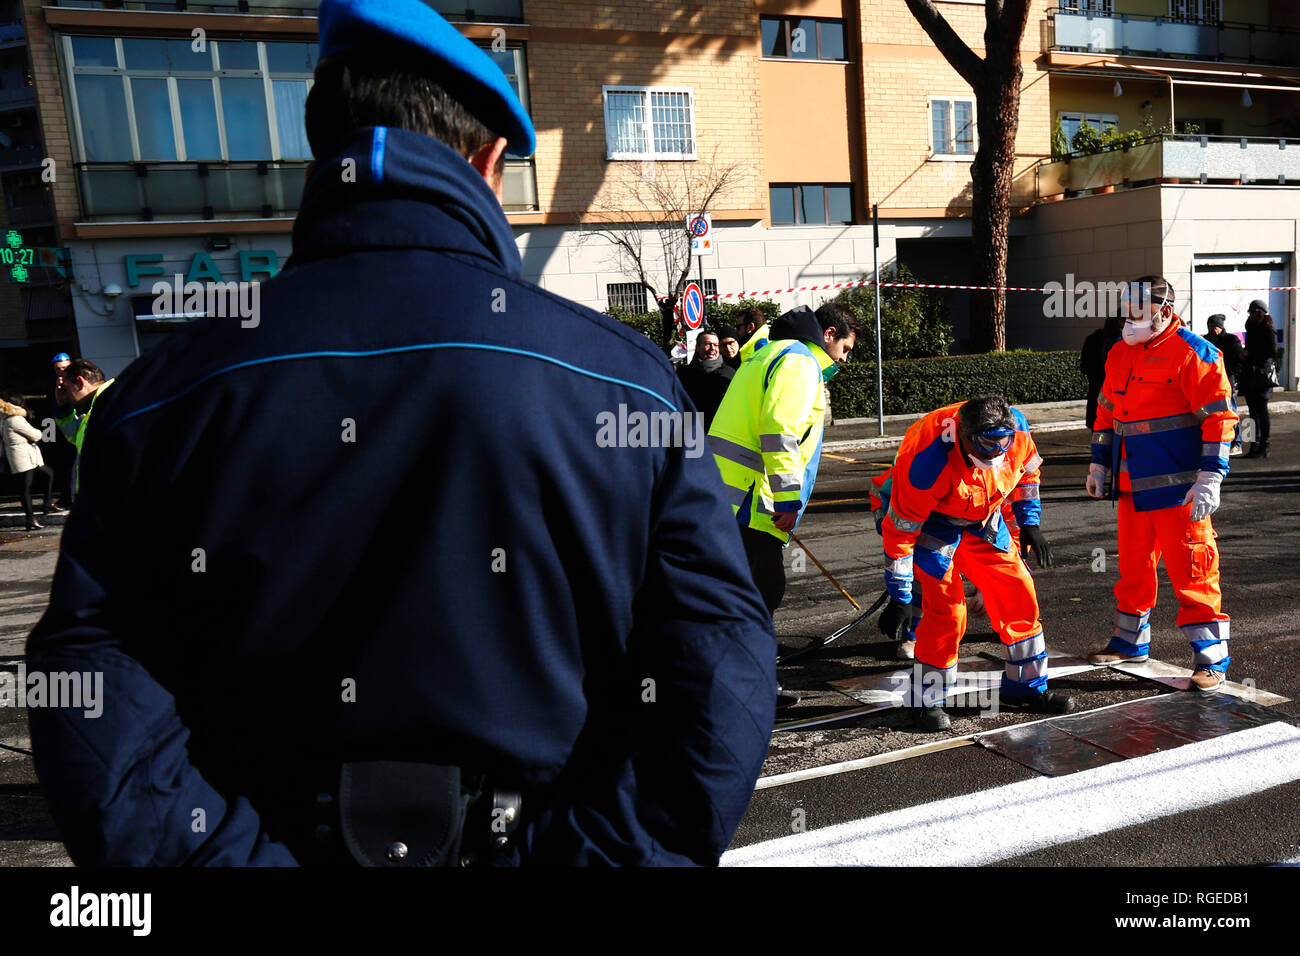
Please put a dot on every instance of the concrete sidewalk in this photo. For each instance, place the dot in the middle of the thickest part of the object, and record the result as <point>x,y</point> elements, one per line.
<point>863,434</point>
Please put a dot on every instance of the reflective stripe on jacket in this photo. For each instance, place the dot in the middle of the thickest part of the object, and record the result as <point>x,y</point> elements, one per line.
<point>1165,412</point>
<point>932,495</point>
<point>767,434</point>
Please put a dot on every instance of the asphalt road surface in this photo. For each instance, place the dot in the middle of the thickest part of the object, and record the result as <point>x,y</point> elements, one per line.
<point>871,790</point>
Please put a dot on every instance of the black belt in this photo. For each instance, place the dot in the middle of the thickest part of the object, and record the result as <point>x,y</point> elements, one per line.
<point>392,813</point>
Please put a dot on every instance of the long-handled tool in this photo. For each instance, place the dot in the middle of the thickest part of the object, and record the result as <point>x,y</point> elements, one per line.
<point>830,577</point>
<point>787,656</point>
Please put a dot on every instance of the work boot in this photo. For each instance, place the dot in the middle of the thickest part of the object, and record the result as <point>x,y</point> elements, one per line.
<point>905,651</point>
<point>1207,681</point>
<point>785,698</point>
<point>930,719</point>
<point>1048,702</point>
<point>1108,656</point>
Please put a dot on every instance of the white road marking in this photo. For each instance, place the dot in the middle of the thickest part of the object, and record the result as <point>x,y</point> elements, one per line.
<point>996,824</point>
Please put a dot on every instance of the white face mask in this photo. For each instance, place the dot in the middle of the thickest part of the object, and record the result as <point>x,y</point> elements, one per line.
<point>1144,318</point>
<point>987,464</point>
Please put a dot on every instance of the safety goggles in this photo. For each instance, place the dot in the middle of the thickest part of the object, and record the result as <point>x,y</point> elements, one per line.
<point>1136,298</point>
<point>993,442</point>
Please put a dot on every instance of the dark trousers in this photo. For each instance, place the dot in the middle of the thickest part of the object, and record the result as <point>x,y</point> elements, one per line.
<point>28,477</point>
<point>1258,404</point>
<point>766,565</point>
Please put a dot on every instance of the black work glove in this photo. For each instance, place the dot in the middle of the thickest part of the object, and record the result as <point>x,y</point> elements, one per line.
<point>895,619</point>
<point>1031,537</point>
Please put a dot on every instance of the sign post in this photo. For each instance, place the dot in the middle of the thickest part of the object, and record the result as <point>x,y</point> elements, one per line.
<point>880,359</point>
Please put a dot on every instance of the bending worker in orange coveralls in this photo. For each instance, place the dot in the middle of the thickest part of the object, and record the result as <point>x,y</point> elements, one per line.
<point>942,520</point>
<point>1164,424</point>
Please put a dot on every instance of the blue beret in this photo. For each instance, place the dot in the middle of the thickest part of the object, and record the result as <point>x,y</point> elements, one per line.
<point>455,63</point>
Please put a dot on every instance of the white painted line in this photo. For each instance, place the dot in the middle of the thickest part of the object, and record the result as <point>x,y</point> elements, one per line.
<point>983,828</point>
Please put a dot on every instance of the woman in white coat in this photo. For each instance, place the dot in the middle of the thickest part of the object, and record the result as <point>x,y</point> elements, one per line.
<point>23,454</point>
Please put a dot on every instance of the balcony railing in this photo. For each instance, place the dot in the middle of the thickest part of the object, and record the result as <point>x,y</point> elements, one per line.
<point>12,33</point>
<point>144,191</point>
<point>279,8</point>
<point>1131,34</point>
<point>1194,159</point>
<point>18,97</point>
<point>20,157</point>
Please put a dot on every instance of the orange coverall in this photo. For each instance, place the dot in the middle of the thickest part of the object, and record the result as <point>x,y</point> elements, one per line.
<point>1165,413</point>
<point>942,521</point>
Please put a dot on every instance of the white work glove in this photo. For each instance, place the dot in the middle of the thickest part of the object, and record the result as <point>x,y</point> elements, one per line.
<point>1204,495</point>
<point>1096,483</point>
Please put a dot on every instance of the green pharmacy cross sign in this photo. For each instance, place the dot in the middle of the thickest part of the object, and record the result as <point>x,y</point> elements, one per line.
<point>19,259</point>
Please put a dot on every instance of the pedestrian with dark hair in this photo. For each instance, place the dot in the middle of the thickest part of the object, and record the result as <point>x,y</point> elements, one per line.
<point>82,384</point>
<point>730,347</point>
<point>1092,361</point>
<point>1230,346</point>
<point>1259,374</point>
<point>22,453</point>
<point>386,618</point>
<point>752,331</point>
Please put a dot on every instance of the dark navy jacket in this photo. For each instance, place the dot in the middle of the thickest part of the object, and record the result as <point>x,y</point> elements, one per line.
<point>493,587</point>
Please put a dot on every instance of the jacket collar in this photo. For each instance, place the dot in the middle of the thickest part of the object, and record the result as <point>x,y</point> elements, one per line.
<point>389,188</point>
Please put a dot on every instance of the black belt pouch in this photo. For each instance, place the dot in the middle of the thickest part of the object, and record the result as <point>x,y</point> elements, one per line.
<point>402,814</point>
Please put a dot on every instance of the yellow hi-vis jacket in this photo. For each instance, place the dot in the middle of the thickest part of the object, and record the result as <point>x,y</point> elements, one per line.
<point>79,436</point>
<point>755,342</point>
<point>767,434</point>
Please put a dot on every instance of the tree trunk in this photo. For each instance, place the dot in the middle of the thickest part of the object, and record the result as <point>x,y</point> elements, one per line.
<point>997,107</point>
<point>666,323</point>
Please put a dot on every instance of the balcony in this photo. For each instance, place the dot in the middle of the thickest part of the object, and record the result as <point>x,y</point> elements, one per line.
<point>144,191</point>
<point>30,215</point>
<point>12,34</point>
<point>1185,159</point>
<point>13,158</point>
<point>277,8</point>
<point>1131,34</point>
<point>18,97</point>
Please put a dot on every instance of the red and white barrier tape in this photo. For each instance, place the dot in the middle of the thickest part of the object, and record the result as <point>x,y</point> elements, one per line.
<point>934,285</point>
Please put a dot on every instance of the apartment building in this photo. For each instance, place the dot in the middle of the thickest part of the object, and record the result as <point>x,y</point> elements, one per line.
<point>176,131</point>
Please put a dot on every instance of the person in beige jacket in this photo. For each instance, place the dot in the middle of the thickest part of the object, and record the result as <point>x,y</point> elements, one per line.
<point>23,454</point>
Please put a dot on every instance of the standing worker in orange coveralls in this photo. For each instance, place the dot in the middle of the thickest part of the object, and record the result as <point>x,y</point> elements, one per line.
<point>1164,426</point>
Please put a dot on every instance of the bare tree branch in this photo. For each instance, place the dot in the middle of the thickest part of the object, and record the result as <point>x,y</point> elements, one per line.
<point>953,47</point>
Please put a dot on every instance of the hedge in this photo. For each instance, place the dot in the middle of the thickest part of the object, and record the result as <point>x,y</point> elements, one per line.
<point>913,386</point>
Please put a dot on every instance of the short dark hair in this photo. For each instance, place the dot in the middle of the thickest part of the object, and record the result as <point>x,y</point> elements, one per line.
<point>353,91</point>
<point>14,398</point>
<point>84,368</point>
<point>984,412</point>
<point>750,315</point>
<point>840,317</point>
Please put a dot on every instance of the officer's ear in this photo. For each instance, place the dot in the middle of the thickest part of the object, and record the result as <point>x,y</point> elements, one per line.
<point>487,160</point>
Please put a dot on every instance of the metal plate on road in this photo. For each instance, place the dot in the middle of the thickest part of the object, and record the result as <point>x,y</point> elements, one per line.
<point>1066,745</point>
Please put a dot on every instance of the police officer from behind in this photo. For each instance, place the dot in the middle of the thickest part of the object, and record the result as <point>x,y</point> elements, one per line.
<point>561,634</point>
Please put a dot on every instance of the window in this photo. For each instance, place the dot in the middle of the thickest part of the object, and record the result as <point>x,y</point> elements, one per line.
<point>811,204</point>
<point>1101,122</point>
<point>1190,11</point>
<point>952,127</point>
<point>649,123</point>
<point>1104,7</point>
<point>709,287</point>
<point>628,296</point>
<point>520,181</point>
<point>802,38</point>
<point>145,99</point>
